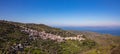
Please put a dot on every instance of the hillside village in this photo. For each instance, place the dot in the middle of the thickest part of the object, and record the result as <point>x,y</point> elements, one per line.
<point>34,34</point>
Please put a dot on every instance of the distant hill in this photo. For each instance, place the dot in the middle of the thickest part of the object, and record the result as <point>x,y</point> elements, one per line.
<point>14,40</point>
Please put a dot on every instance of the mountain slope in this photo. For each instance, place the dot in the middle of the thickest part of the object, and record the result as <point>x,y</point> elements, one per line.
<point>13,39</point>
<point>106,43</point>
<point>32,38</point>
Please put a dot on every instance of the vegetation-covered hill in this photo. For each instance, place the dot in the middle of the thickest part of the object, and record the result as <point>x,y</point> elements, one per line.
<point>14,41</point>
<point>42,27</point>
<point>101,39</point>
<point>107,44</point>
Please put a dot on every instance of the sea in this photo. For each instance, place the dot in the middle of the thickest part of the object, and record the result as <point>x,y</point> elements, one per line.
<point>103,30</point>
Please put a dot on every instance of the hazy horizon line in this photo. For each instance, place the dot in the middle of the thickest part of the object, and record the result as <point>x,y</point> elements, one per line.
<point>53,25</point>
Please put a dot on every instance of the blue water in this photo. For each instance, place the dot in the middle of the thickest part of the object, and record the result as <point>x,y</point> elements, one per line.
<point>103,30</point>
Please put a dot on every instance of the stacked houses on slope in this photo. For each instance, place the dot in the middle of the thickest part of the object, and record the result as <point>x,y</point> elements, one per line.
<point>34,34</point>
